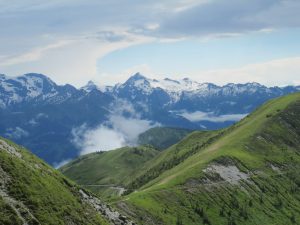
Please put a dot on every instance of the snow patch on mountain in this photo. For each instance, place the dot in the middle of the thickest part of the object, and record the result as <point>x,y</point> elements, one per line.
<point>30,87</point>
<point>198,116</point>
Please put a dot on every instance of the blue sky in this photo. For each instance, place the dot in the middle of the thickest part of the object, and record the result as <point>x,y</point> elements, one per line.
<point>219,41</point>
<point>191,55</point>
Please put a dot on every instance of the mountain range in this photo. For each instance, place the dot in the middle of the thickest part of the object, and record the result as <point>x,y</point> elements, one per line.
<point>41,115</point>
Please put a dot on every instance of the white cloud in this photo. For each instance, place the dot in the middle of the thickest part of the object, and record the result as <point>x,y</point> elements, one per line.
<point>101,138</point>
<point>130,128</point>
<point>280,72</point>
<point>229,17</point>
<point>117,132</point>
<point>33,55</point>
<point>71,61</point>
<point>209,116</point>
<point>16,133</point>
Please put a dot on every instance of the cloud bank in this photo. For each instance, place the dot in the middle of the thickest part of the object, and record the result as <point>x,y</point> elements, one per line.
<point>118,131</point>
<point>209,116</point>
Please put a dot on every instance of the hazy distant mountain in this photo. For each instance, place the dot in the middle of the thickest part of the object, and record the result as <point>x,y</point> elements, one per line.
<point>190,104</point>
<point>41,115</point>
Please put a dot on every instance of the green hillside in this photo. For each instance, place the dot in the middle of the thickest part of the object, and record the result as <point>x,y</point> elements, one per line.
<point>106,173</point>
<point>173,156</point>
<point>31,192</point>
<point>245,174</point>
<point>162,137</point>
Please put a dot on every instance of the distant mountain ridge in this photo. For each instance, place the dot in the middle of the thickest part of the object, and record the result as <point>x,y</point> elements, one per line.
<point>39,114</point>
<point>40,87</point>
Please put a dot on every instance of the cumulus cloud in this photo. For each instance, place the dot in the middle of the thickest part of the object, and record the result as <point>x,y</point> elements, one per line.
<point>101,138</point>
<point>122,129</point>
<point>209,116</point>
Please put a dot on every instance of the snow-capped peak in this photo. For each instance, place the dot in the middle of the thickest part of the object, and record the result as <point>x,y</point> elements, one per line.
<point>136,77</point>
<point>90,86</point>
<point>26,87</point>
<point>138,82</point>
<point>186,86</point>
<point>173,86</point>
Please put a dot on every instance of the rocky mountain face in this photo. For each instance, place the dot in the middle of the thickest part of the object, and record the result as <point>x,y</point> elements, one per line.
<point>39,114</point>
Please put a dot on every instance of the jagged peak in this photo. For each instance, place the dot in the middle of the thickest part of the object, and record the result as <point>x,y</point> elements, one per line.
<point>136,76</point>
<point>39,76</point>
<point>253,84</point>
<point>92,85</point>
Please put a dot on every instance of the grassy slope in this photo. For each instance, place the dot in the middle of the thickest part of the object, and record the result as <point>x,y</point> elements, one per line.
<point>270,135</point>
<point>173,156</point>
<point>115,168</point>
<point>162,137</point>
<point>48,195</point>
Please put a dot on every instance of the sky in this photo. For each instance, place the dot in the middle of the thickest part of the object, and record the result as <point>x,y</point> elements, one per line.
<point>220,41</point>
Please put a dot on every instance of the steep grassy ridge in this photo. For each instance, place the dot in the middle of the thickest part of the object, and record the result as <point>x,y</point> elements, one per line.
<point>246,174</point>
<point>173,156</point>
<point>162,137</point>
<point>107,172</point>
<point>31,192</point>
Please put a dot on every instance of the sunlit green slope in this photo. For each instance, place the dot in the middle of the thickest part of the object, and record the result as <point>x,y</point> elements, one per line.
<point>162,137</point>
<point>245,174</point>
<point>32,192</point>
<point>106,173</point>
